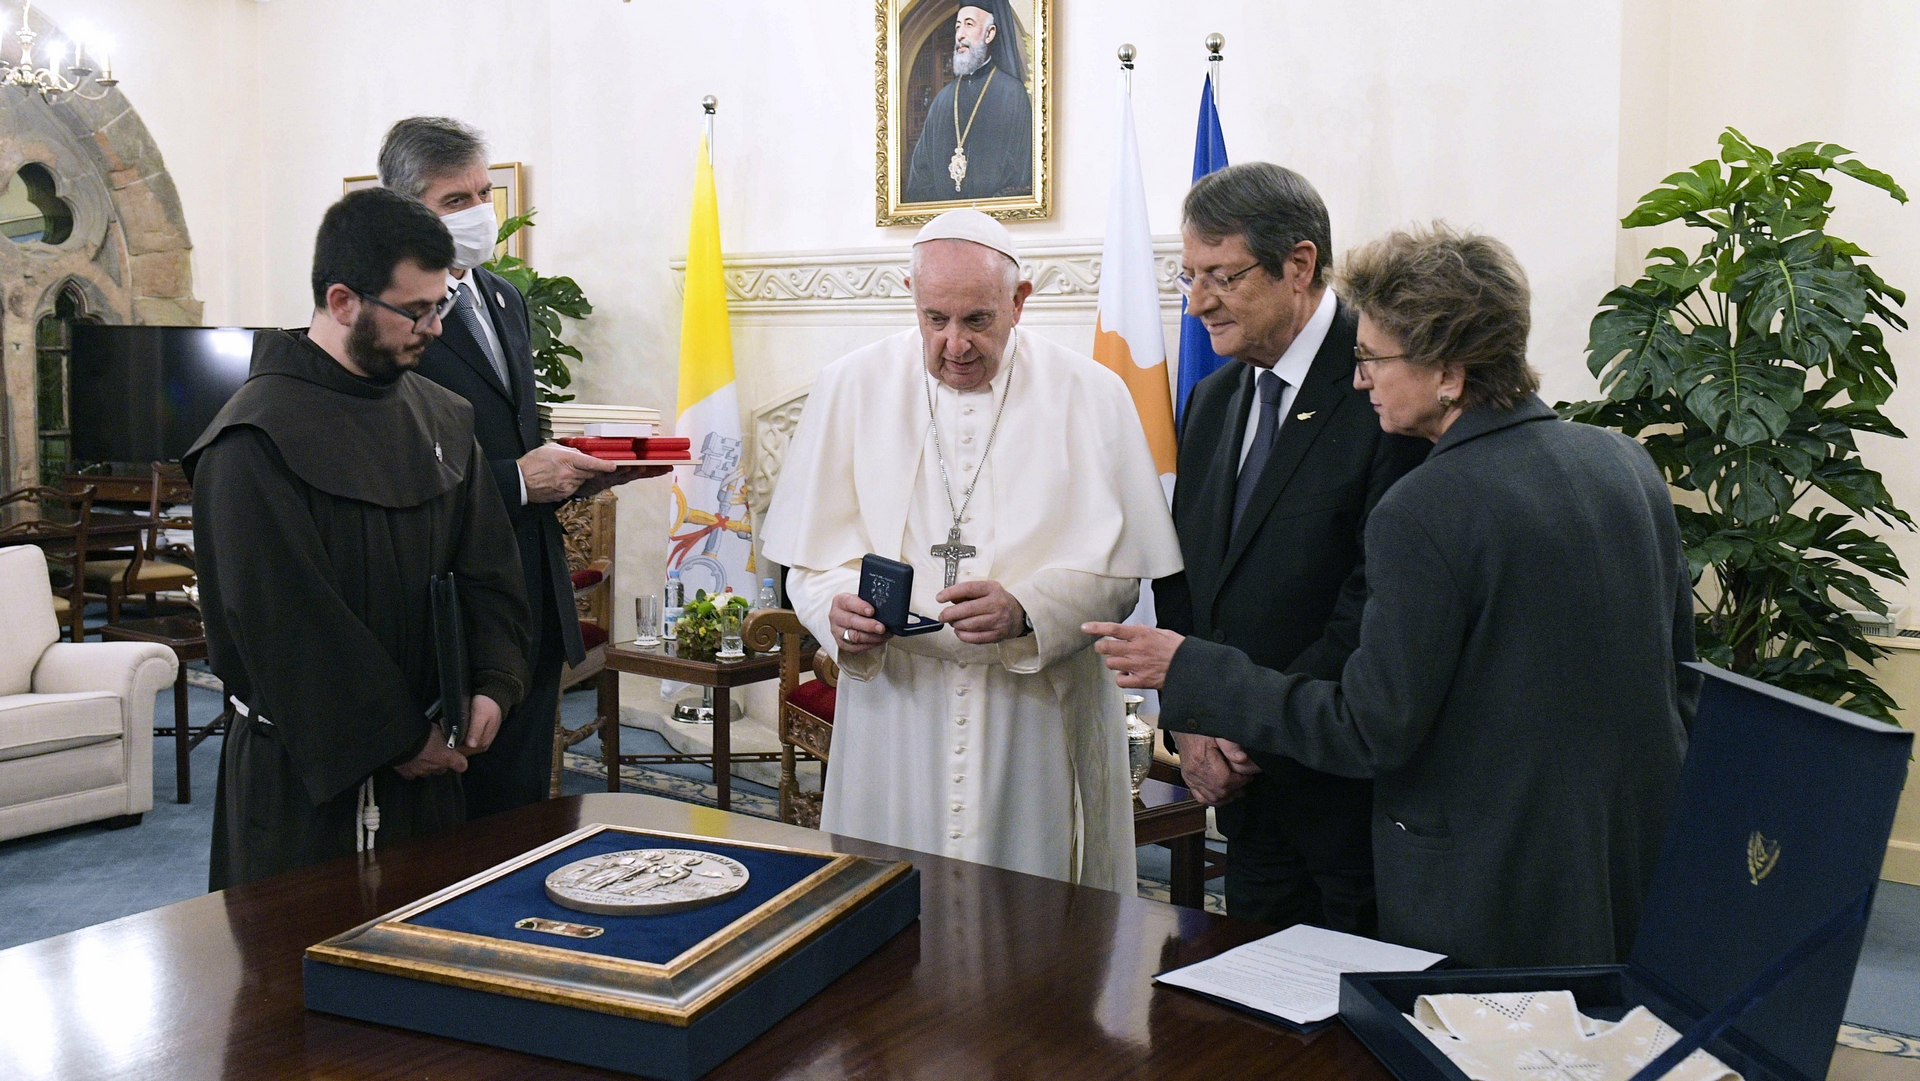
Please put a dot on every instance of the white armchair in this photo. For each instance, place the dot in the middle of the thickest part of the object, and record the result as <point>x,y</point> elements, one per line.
<point>76,719</point>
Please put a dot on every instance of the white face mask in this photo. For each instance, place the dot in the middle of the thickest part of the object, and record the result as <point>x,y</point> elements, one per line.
<point>474,230</point>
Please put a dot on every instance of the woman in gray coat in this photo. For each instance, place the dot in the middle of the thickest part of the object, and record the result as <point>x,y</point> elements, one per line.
<point>1516,694</point>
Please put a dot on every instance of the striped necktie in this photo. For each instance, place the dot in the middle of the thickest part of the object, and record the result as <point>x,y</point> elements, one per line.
<point>469,315</point>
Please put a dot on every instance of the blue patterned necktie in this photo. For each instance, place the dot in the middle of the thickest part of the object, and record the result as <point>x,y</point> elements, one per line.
<point>470,317</point>
<point>1270,387</point>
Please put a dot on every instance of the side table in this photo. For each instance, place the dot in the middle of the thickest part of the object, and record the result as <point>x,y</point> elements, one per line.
<point>188,640</point>
<point>665,662</point>
<point>1169,816</point>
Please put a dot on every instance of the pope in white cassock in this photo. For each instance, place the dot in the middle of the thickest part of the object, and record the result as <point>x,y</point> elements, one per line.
<point>1000,738</point>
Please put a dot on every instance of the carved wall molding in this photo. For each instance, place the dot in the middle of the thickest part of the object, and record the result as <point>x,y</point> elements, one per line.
<point>772,433</point>
<point>1065,275</point>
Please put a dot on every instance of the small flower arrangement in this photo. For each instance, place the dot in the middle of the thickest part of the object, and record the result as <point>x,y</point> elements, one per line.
<point>698,629</point>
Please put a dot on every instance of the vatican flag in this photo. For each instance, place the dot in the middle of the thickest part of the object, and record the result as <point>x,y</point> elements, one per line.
<point>1127,335</point>
<point>710,541</point>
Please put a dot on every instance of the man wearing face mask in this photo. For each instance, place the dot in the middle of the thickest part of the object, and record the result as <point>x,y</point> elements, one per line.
<point>483,354</point>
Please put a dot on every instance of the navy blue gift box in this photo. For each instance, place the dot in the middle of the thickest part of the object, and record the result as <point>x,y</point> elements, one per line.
<point>666,996</point>
<point>1758,906</point>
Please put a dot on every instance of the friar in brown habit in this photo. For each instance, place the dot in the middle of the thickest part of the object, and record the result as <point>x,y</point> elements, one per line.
<point>327,493</point>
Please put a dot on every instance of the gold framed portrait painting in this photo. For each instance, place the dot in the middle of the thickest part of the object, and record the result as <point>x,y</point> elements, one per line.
<point>965,104</point>
<point>509,198</point>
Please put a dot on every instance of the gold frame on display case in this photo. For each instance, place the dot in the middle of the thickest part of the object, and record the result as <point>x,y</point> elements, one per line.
<point>676,993</point>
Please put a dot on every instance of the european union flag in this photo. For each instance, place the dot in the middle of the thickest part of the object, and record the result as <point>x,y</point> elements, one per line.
<point>1197,358</point>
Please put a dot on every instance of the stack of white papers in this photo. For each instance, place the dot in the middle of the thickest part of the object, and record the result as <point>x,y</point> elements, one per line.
<point>1295,974</point>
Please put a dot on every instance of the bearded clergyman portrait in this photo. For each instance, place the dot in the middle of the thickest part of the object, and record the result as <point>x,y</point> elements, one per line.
<point>967,87</point>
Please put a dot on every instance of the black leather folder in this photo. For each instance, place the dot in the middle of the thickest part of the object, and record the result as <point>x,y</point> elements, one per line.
<point>887,584</point>
<point>450,652</point>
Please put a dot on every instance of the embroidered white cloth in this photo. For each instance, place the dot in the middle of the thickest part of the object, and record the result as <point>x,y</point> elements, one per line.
<point>1543,1036</point>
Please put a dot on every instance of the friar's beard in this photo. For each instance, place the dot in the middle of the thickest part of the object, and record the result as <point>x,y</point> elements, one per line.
<point>382,365</point>
<point>968,60</point>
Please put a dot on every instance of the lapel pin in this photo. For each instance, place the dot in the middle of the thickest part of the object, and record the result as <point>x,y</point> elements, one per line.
<point>1308,415</point>
<point>498,299</point>
<point>437,456</point>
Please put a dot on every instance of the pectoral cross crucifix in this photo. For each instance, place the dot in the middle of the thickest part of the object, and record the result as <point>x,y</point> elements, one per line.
<point>953,552</point>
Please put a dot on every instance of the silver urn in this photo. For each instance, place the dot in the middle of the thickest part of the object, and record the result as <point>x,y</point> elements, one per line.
<point>1139,743</point>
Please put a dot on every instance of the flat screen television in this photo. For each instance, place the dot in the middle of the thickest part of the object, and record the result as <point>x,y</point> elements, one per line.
<point>141,394</point>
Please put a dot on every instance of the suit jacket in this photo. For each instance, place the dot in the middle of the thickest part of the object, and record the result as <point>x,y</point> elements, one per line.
<point>1288,588</point>
<point>506,421</point>
<point>1516,694</point>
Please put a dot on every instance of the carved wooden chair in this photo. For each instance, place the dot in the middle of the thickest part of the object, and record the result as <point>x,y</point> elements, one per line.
<point>587,526</point>
<point>806,709</point>
<point>155,566</point>
<point>64,540</point>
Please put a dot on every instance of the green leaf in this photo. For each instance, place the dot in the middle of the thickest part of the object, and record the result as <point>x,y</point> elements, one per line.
<point>1635,343</point>
<point>1816,306</point>
<point>1875,177</point>
<point>1740,395</point>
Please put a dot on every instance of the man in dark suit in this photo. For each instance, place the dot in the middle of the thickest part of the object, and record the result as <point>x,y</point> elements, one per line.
<point>1280,461</point>
<point>483,354</point>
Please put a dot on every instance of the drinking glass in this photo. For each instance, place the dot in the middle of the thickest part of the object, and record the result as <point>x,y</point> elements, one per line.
<point>647,619</point>
<point>731,647</point>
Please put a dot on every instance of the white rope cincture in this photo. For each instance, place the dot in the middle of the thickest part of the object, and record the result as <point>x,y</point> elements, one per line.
<point>366,818</point>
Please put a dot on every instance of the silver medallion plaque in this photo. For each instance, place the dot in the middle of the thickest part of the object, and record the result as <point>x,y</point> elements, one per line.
<point>645,881</point>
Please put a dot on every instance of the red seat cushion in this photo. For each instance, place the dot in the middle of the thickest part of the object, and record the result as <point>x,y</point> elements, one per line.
<point>591,635</point>
<point>586,576</point>
<point>816,698</point>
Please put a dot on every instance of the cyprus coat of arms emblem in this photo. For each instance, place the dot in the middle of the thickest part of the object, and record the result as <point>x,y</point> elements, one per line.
<point>1762,854</point>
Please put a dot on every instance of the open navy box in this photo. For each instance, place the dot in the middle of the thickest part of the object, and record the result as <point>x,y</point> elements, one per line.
<point>666,996</point>
<point>1818,786</point>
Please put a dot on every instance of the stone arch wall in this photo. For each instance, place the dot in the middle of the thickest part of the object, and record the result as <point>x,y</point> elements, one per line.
<point>129,253</point>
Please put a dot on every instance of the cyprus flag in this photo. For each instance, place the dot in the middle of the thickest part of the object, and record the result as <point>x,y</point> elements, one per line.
<point>709,542</point>
<point>1128,336</point>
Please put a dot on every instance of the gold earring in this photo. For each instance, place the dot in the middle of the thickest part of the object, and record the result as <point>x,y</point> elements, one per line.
<point>1446,401</point>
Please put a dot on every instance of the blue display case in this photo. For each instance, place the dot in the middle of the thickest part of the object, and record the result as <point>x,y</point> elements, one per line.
<point>664,996</point>
<point>1775,842</point>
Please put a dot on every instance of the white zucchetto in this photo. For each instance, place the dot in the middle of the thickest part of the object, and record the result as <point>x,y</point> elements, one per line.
<point>969,225</point>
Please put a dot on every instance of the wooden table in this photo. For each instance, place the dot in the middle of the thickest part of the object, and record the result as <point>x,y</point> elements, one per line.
<point>1169,816</point>
<point>132,489</point>
<point>664,662</point>
<point>1005,976</point>
<point>188,640</point>
<point>106,532</point>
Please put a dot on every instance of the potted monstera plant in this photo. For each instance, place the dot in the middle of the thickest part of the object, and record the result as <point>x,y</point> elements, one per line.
<point>1747,368</point>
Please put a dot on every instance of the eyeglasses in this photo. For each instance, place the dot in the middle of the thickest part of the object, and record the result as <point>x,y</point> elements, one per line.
<point>1215,281</point>
<point>1364,363</point>
<point>420,322</point>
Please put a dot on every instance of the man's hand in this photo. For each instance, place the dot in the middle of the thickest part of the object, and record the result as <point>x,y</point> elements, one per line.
<point>436,757</point>
<point>554,472</point>
<point>1140,654</point>
<point>483,723</point>
<point>1237,758</point>
<point>981,612</point>
<point>620,475</point>
<point>854,628</point>
<point>1209,774</point>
